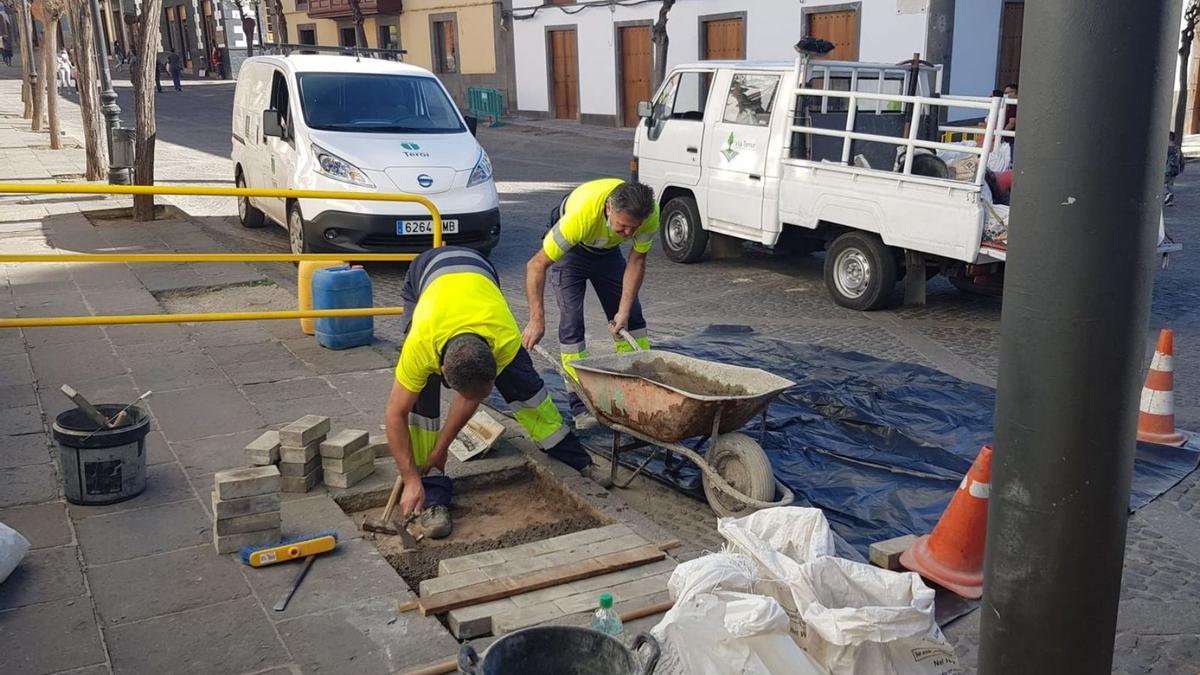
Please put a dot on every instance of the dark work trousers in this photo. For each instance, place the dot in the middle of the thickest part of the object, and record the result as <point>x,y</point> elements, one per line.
<point>605,270</point>
<point>519,383</point>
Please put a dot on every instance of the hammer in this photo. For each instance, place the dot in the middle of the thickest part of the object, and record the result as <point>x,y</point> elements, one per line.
<point>384,525</point>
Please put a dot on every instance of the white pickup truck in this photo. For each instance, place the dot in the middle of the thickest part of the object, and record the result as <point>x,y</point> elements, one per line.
<point>840,155</point>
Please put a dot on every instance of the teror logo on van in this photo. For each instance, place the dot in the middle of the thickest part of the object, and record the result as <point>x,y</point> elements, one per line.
<point>413,150</point>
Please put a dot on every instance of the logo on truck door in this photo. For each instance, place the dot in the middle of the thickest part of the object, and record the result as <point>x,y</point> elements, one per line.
<point>729,152</point>
<point>734,147</point>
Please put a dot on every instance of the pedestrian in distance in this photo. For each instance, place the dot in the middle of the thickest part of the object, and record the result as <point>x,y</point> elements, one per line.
<point>119,52</point>
<point>6,50</point>
<point>158,68</point>
<point>175,65</point>
<point>582,246</point>
<point>1175,164</point>
<point>65,81</point>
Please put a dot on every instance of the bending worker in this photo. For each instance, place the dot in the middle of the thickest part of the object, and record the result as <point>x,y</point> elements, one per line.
<point>583,245</point>
<point>460,331</point>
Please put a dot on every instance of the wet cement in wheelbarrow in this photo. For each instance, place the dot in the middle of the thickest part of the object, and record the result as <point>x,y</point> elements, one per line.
<point>486,519</point>
<point>682,378</point>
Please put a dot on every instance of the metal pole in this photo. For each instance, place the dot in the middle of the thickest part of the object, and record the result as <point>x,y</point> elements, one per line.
<point>1086,203</point>
<point>108,97</point>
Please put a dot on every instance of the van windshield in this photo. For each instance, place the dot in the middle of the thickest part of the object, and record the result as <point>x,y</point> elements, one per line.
<point>376,104</point>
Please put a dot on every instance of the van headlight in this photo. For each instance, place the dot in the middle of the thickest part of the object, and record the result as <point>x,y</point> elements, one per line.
<point>482,171</point>
<point>329,164</point>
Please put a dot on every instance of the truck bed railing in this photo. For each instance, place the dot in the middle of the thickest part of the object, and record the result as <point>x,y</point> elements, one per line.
<point>918,105</point>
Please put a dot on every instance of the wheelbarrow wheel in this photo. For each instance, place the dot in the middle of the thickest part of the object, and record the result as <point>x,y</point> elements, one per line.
<point>743,464</point>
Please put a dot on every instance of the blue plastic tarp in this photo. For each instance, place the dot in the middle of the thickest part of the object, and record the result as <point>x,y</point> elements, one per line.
<point>879,446</point>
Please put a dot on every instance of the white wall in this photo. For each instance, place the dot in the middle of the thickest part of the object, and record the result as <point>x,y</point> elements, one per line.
<point>772,27</point>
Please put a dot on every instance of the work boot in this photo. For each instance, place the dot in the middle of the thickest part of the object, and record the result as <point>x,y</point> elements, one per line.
<point>597,475</point>
<point>435,522</point>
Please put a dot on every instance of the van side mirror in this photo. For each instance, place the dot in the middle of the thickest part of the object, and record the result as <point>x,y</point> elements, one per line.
<point>272,124</point>
<point>472,125</point>
<point>645,109</point>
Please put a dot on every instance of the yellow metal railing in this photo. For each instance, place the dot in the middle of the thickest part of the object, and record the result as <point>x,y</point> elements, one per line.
<point>32,188</point>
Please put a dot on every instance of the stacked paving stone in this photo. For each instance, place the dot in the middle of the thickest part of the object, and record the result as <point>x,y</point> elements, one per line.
<point>299,452</point>
<point>346,458</point>
<point>379,444</point>
<point>245,508</point>
<point>264,451</point>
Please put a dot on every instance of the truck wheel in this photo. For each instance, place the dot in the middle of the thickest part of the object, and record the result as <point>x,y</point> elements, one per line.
<point>249,216</point>
<point>295,228</point>
<point>683,239</point>
<point>860,271</point>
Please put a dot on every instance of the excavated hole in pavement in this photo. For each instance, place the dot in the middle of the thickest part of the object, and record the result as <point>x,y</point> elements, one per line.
<point>525,506</point>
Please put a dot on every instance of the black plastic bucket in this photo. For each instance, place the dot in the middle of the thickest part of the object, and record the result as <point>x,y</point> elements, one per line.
<point>559,650</point>
<point>105,466</point>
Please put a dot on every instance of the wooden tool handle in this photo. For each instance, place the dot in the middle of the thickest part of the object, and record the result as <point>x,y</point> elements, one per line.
<point>391,502</point>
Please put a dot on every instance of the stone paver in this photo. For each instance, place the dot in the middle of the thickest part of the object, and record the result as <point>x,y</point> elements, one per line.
<point>45,575</point>
<point>44,525</point>
<point>171,582</point>
<point>367,637</point>
<point>60,635</point>
<point>229,637</point>
<point>139,532</point>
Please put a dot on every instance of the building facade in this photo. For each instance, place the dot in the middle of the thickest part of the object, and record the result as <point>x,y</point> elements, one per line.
<point>593,62</point>
<point>465,42</point>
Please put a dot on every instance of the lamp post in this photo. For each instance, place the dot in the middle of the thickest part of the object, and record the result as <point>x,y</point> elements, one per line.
<point>117,174</point>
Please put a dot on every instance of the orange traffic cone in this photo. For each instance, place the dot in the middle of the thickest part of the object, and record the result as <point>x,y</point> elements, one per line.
<point>953,555</point>
<point>1156,414</point>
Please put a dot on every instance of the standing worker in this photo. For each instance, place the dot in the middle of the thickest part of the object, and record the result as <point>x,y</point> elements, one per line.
<point>175,65</point>
<point>583,244</point>
<point>460,331</point>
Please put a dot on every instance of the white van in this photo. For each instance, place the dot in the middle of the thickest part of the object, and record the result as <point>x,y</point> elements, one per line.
<point>332,122</point>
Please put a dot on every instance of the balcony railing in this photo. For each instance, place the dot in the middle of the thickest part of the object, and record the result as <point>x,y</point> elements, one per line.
<point>338,9</point>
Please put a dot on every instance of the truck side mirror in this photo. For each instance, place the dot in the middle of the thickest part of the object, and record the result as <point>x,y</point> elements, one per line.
<point>645,109</point>
<point>272,124</point>
<point>472,125</point>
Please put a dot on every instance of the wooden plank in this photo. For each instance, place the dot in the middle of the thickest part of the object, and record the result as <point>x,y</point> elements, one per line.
<point>474,621</point>
<point>586,603</point>
<point>440,603</point>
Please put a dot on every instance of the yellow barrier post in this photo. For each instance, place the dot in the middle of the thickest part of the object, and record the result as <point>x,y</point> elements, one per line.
<point>34,322</point>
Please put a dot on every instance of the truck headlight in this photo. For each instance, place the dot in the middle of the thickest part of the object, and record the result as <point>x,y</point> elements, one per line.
<point>482,171</point>
<point>332,166</point>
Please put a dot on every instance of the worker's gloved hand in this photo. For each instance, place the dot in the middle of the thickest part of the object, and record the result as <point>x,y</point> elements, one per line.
<point>412,496</point>
<point>533,333</point>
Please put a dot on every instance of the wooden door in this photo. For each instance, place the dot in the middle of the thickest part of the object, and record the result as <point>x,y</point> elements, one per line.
<point>1011,23</point>
<point>636,64</point>
<point>564,74</point>
<point>725,40</point>
<point>840,28</point>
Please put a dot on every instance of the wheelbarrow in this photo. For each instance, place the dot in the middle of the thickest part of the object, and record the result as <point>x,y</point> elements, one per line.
<point>660,398</point>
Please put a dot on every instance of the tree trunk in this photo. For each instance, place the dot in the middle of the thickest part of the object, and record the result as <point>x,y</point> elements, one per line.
<point>27,69</point>
<point>658,35</point>
<point>281,27</point>
<point>147,33</point>
<point>248,29</point>
<point>1186,36</point>
<point>360,34</point>
<point>94,136</point>
<point>50,54</point>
